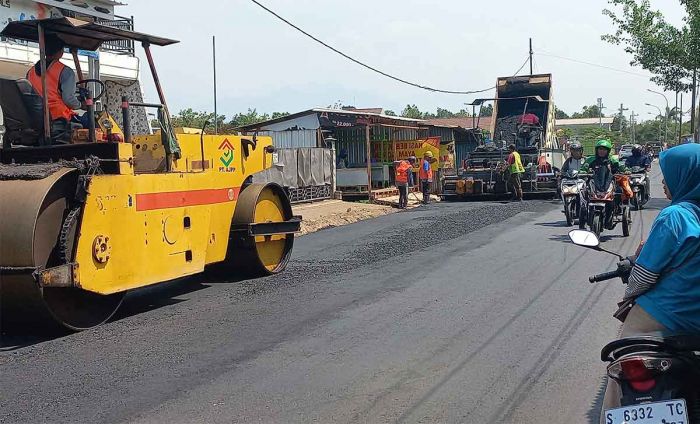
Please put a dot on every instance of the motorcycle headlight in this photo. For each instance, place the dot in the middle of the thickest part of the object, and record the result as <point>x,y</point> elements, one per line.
<point>570,189</point>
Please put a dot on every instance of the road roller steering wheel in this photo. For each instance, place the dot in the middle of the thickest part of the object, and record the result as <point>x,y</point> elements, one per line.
<point>84,83</point>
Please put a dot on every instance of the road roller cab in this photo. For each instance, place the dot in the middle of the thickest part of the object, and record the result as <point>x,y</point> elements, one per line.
<point>87,217</point>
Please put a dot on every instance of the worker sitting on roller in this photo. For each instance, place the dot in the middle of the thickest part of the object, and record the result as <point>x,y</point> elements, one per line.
<point>515,168</point>
<point>425,174</point>
<point>60,85</point>
<point>404,179</point>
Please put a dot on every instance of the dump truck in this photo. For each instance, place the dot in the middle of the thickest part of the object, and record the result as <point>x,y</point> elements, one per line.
<point>523,115</point>
<point>91,213</point>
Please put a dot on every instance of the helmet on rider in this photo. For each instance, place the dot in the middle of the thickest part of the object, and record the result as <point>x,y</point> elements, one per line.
<point>636,150</point>
<point>603,148</point>
<point>576,150</point>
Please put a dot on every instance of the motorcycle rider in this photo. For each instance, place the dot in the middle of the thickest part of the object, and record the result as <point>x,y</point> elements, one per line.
<point>575,161</point>
<point>603,157</point>
<point>663,282</point>
<point>638,158</point>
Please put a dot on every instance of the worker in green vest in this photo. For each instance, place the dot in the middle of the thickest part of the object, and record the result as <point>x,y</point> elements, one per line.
<point>515,168</point>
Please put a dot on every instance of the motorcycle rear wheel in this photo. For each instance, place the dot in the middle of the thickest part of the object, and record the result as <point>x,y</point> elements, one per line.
<point>597,225</point>
<point>626,222</point>
<point>637,201</point>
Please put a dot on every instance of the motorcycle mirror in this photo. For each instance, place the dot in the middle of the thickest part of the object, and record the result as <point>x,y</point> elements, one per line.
<point>589,239</point>
<point>584,238</point>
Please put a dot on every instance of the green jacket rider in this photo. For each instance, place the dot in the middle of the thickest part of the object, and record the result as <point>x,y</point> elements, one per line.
<point>603,157</point>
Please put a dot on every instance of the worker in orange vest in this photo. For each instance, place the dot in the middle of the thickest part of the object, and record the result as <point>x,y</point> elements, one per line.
<point>60,84</point>
<point>425,174</point>
<point>404,179</point>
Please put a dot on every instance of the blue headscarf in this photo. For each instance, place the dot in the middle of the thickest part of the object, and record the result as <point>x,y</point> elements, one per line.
<point>681,168</point>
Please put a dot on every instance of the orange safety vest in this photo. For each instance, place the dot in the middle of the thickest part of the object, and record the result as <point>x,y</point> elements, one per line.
<point>402,170</point>
<point>425,175</point>
<point>57,109</point>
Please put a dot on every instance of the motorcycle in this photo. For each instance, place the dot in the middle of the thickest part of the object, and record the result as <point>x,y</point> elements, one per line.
<point>641,187</point>
<point>602,206</point>
<point>570,188</point>
<point>656,374</point>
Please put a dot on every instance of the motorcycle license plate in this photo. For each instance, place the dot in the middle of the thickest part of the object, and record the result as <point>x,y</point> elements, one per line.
<point>668,412</point>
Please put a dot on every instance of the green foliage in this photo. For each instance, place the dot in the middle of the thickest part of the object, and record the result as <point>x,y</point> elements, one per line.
<point>412,111</point>
<point>587,112</point>
<point>389,113</point>
<point>668,52</point>
<point>486,110</point>
<point>195,119</point>
<point>560,114</point>
<point>593,134</point>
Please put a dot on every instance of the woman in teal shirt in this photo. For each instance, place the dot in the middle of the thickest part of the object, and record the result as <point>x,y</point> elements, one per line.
<point>665,280</point>
<point>666,277</point>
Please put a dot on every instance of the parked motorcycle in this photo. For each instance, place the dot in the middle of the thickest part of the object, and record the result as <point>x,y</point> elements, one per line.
<point>602,206</point>
<point>641,186</point>
<point>571,187</point>
<point>657,374</point>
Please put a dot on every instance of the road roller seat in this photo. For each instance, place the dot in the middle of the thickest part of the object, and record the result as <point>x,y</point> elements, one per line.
<point>20,125</point>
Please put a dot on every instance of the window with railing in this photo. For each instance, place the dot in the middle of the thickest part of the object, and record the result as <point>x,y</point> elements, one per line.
<point>119,46</point>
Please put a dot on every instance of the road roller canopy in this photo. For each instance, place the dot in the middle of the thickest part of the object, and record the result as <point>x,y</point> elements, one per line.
<point>77,33</point>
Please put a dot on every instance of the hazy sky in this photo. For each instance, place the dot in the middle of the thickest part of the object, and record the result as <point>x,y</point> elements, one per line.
<point>449,44</point>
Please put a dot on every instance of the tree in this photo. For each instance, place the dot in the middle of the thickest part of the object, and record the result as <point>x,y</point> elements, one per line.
<point>587,112</point>
<point>560,114</point>
<point>486,110</point>
<point>251,117</point>
<point>389,113</point>
<point>412,111</point>
<point>668,52</point>
<point>195,119</point>
<point>444,113</point>
<point>620,124</point>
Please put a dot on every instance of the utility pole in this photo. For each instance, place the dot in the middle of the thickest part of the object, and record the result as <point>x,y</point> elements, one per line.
<point>622,111</point>
<point>530,56</point>
<point>679,112</point>
<point>600,111</point>
<point>692,101</point>
<point>665,115</point>
<point>216,115</point>
<point>680,119</point>
<point>632,129</point>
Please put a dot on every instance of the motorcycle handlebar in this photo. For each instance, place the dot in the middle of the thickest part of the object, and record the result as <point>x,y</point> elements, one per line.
<point>604,276</point>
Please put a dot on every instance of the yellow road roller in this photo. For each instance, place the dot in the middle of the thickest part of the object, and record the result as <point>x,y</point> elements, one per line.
<point>87,214</point>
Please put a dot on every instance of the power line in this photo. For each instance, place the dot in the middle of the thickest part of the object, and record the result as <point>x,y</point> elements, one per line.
<point>371,68</point>
<point>591,64</point>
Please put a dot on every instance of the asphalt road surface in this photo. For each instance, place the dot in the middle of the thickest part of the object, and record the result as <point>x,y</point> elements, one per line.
<point>452,313</point>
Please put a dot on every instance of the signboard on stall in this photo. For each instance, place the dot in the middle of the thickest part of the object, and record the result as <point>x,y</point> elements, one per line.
<point>418,148</point>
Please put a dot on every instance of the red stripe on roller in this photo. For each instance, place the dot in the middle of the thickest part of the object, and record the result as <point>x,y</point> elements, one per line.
<point>178,199</point>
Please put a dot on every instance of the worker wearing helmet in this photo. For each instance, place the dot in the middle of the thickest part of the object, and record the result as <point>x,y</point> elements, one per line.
<point>404,179</point>
<point>638,158</point>
<point>425,174</point>
<point>575,161</point>
<point>515,169</point>
<point>603,157</point>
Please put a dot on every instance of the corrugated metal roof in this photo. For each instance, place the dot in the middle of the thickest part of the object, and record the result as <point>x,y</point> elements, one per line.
<point>583,121</point>
<point>484,122</point>
<point>360,112</point>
